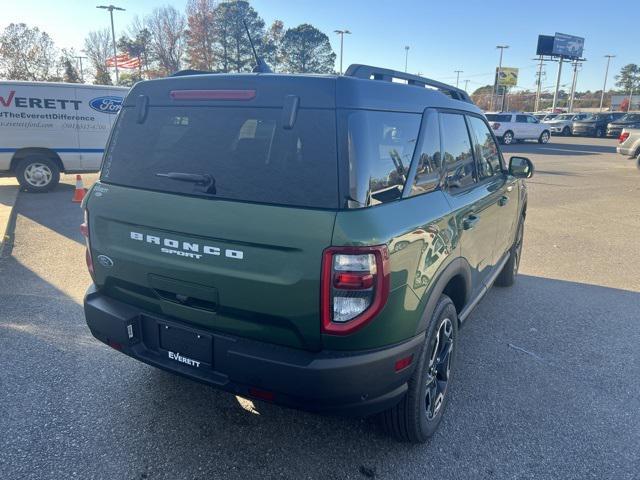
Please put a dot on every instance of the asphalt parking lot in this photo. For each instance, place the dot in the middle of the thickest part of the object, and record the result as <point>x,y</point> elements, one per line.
<point>547,383</point>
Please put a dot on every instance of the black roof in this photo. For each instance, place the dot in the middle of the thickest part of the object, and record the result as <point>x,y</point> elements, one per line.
<point>362,87</point>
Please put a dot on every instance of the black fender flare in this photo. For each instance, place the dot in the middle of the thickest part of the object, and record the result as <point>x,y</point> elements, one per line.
<point>458,266</point>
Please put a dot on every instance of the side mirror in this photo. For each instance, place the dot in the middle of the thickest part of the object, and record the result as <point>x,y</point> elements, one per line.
<point>520,167</point>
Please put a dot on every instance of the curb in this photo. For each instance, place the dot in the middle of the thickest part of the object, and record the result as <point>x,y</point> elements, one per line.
<point>8,195</point>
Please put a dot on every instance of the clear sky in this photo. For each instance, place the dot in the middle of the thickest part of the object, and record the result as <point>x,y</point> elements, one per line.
<point>443,36</point>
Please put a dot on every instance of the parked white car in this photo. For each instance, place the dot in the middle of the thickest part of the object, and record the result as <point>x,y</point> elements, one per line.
<point>49,128</point>
<point>513,127</point>
<point>563,124</point>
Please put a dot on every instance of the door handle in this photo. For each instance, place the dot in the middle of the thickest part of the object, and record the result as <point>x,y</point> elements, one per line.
<point>503,200</point>
<point>469,222</point>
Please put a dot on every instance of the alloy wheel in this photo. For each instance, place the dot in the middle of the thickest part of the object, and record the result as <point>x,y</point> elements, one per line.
<point>439,371</point>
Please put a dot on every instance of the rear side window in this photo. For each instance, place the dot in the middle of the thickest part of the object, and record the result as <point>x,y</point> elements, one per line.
<point>458,158</point>
<point>521,118</point>
<point>497,117</point>
<point>429,162</point>
<point>380,146</point>
<point>246,151</point>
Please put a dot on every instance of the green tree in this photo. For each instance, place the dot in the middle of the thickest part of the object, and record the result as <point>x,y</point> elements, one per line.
<point>136,47</point>
<point>201,34</point>
<point>306,49</point>
<point>102,76</point>
<point>128,79</point>
<point>232,47</point>
<point>629,77</point>
<point>70,72</point>
<point>26,53</point>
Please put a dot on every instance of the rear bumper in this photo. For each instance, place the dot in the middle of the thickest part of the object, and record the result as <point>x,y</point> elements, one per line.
<point>627,151</point>
<point>360,383</point>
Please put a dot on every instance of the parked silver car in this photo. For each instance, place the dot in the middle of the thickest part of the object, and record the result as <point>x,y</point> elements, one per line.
<point>629,144</point>
<point>563,123</point>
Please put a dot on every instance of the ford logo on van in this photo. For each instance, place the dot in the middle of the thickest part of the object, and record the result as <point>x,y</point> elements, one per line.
<point>110,105</point>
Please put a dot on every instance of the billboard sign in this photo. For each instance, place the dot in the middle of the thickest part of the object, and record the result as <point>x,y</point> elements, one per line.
<point>545,45</point>
<point>507,76</point>
<point>568,45</point>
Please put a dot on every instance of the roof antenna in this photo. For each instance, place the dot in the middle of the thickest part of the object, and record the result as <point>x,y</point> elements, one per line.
<point>261,65</point>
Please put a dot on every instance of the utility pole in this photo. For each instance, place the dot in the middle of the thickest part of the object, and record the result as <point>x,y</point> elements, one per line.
<point>555,94</point>
<point>497,80</point>
<point>406,57</point>
<point>631,94</point>
<point>466,83</point>
<point>111,8</point>
<point>539,85</point>
<point>606,74</point>
<point>79,58</point>
<point>342,34</point>
<point>458,72</point>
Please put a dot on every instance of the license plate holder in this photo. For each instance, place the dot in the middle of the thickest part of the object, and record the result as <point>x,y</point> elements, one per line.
<point>185,344</point>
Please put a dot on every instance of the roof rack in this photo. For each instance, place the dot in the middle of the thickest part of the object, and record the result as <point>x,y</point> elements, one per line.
<point>369,72</point>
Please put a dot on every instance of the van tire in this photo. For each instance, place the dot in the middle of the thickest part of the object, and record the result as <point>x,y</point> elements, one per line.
<point>408,420</point>
<point>507,276</point>
<point>37,173</point>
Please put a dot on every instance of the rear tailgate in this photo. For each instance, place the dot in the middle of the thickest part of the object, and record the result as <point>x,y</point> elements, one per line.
<point>246,269</point>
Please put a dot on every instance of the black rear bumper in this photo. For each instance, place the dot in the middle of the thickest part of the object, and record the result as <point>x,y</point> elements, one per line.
<point>360,383</point>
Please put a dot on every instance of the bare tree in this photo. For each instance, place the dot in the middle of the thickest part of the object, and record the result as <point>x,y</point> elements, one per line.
<point>98,47</point>
<point>27,53</point>
<point>167,28</point>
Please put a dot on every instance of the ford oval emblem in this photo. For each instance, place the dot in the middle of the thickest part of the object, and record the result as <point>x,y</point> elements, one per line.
<point>105,261</point>
<point>108,104</point>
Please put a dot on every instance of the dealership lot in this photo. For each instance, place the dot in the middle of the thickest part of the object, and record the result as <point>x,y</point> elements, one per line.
<point>546,387</point>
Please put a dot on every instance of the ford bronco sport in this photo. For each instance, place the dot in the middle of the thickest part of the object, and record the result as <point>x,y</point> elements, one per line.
<point>313,241</point>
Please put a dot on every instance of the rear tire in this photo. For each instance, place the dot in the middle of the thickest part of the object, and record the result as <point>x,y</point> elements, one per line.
<point>544,137</point>
<point>37,173</point>
<point>599,132</point>
<point>507,276</point>
<point>417,416</point>
<point>507,138</point>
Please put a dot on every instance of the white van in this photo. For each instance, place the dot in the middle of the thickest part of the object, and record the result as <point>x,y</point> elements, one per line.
<point>49,128</point>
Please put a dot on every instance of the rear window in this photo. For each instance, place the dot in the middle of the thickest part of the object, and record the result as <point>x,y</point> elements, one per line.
<point>496,117</point>
<point>246,151</point>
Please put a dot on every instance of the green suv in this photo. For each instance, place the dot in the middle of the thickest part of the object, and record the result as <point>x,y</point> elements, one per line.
<point>313,241</point>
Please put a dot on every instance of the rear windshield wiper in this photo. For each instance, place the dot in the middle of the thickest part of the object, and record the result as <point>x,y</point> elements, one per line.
<point>204,180</point>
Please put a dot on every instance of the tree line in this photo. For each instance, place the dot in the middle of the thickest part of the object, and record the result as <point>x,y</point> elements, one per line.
<point>210,35</point>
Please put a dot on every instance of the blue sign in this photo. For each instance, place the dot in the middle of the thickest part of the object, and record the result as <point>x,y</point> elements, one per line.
<point>111,105</point>
<point>568,45</point>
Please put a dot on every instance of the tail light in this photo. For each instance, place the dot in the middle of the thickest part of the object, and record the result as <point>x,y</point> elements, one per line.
<point>623,136</point>
<point>495,125</point>
<point>84,229</point>
<point>355,287</point>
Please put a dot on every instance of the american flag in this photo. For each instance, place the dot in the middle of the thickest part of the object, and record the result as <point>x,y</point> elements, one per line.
<point>124,61</point>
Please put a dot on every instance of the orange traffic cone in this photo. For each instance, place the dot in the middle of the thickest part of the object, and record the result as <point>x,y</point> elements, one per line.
<point>78,195</point>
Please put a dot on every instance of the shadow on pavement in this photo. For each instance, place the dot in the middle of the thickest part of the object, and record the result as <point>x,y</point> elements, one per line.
<point>44,208</point>
<point>566,149</point>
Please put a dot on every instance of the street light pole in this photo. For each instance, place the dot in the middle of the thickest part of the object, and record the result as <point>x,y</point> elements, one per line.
<point>406,57</point>
<point>457,72</point>
<point>497,80</point>
<point>111,8</point>
<point>606,74</point>
<point>342,33</point>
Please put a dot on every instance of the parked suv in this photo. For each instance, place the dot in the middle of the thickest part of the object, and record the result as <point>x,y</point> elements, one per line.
<point>513,127</point>
<point>630,120</point>
<point>595,125</point>
<point>561,124</point>
<point>313,241</point>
